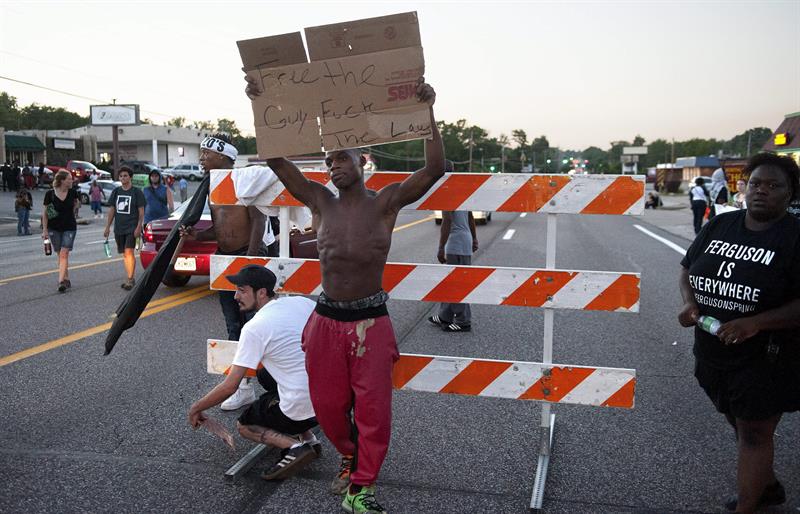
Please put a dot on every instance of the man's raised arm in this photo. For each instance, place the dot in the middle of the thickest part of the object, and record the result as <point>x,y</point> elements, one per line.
<point>304,190</point>
<point>412,188</point>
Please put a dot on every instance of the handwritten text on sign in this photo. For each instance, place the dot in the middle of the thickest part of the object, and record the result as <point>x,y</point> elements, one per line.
<point>340,103</point>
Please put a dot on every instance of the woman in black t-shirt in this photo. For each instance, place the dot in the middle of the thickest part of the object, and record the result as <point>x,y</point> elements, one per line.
<point>744,270</point>
<point>58,223</point>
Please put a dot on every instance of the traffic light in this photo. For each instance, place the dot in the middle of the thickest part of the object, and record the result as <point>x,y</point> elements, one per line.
<point>491,168</point>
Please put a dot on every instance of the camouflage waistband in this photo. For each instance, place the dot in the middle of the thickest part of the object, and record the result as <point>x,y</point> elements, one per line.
<point>375,300</point>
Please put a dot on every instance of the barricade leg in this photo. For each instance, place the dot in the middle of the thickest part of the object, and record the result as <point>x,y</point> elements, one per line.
<point>548,422</point>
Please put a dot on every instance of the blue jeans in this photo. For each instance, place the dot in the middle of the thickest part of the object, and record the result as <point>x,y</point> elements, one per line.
<point>23,223</point>
<point>96,207</point>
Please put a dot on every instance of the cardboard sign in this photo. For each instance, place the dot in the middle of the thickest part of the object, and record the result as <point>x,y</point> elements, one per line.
<point>359,89</point>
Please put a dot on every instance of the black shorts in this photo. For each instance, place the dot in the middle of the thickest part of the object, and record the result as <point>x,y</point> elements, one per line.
<point>261,414</point>
<point>125,241</point>
<point>757,391</point>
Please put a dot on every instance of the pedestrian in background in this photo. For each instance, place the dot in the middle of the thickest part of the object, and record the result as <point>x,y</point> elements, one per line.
<point>738,199</point>
<point>126,211</point>
<point>699,201</point>
<point>58,223</point>
<point>718,195</point>
<point>749,365</point>
<point>457,241</point>
<point>158,198</point>
<point>22,206</point>
<point>96,195</point>
<point>183,186</point>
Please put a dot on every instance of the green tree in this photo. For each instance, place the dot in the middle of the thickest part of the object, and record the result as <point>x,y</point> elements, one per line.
<point>204,125</point>
<point>9,112</point>
<point>228,127</point>
<point>638,140</point>
<point>44,117</point>
<point>520,137</point>
<point>598,159</point>
<point>180,121</point>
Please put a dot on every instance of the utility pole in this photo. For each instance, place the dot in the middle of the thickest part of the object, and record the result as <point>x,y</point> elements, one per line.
<point>470,150</point>
<point>502,159</point>
<point>749,138</point>
<point>115,146</point>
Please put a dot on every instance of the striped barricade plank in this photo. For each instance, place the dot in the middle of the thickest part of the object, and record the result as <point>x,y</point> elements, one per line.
<point>498,192</point>
<point>524,287</point>
<point>553,383</point>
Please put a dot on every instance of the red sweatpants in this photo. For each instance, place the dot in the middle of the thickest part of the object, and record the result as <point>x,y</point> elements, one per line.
<point>349,366</point>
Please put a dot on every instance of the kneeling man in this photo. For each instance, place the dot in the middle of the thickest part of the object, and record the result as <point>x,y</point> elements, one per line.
<point>283,416</point>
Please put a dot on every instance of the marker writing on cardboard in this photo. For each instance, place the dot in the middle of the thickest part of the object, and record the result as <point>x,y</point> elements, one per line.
<point>351,111</point>
<point>275,119</point>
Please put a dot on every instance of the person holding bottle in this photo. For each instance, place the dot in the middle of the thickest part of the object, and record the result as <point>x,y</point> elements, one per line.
<point>59,224</point>
<point>743,269</point>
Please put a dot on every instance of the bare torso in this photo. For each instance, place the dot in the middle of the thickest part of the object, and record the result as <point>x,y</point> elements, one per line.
<point>231,226</point>
<point>353,237</point>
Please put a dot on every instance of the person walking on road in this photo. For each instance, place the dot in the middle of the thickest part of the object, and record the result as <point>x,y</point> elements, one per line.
<point>270,342</point>
<point>699,200</point>
<point>58,223</point>
<point>743,270</point>
<point>238,230</point>
<point>22,206</point>
<point>96,195</point>
<point>349,340</point>
<point>457,242</point>
<point>718,194</point>
<point>183,186</point>
<point>126,211</point>
<point>158,198</point>
<point>5,173</point>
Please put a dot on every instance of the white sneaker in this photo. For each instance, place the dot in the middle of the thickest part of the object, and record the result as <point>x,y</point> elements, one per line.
<point>245,395</point>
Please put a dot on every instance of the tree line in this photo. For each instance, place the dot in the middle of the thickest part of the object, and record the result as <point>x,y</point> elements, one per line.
<point>470,147</point>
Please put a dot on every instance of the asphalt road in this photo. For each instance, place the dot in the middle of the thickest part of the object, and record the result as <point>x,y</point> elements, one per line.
<point>87,433</point>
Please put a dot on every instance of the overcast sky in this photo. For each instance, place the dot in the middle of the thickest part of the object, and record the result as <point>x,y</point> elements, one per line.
<point>581,73</point>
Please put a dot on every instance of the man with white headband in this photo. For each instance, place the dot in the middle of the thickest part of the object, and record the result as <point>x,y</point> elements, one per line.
<point>238,230</point>
<point>349,341</point>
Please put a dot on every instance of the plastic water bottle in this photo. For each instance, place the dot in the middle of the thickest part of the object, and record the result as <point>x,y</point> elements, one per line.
<point>48,248</point>
<point>709,324</point>
<point>107,249</point>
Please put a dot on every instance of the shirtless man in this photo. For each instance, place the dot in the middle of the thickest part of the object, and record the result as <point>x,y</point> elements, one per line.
<point>349,341</point>
<point>238,230</point>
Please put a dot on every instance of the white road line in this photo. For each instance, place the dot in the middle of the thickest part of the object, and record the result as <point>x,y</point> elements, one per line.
<point>667,242</point>
<point>509,234</point>
<point>96,242</point>
<point>523,214</point>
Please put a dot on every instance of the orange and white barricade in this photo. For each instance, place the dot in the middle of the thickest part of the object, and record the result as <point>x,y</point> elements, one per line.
<point>547,288</point>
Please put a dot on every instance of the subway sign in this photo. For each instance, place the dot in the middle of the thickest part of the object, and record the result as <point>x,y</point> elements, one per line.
<point>781,139</point>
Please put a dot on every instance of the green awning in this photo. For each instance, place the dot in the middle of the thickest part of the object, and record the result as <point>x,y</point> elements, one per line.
<point>23,143</point>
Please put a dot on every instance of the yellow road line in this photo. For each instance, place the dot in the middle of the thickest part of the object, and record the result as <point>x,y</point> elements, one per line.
<point>39,274</point>
<point>166,303</point>
<point>423,220</point>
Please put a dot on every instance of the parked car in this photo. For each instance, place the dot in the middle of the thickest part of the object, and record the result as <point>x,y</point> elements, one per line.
<point>481,217</point>
<point>81,170</point>
<point>188,171</point>
<point>195,256</point>
<point>107,186</point>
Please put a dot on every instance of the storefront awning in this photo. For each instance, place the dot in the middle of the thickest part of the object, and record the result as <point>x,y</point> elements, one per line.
<point>23,143</point>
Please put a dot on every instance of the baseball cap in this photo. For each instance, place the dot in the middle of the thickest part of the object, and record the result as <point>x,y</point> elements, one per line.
<point>255,276</point>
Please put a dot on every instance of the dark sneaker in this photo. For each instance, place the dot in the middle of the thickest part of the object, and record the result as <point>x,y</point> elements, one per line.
<point>69,284</point>
<point>128,284</point>
<point>362,502</point>
<point>62,286</point>
<point>341,481</point>
<point>455,327</point>
<point>291,462</point>
<point>436,320</point>
<point>774,494</point>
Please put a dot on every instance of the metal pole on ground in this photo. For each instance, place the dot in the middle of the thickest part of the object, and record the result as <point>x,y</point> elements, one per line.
<point>115,149</point>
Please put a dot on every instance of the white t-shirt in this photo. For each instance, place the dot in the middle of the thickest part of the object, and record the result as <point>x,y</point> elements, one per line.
<point>698,193</point>
<point>272,338</point>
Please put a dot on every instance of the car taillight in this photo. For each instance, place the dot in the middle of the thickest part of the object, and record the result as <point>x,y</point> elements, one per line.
<point>148,234</point>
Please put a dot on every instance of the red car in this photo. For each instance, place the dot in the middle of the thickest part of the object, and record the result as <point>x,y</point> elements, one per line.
<point>195,256</point>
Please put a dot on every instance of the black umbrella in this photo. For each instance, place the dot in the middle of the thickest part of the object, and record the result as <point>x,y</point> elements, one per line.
<point>134,304</point>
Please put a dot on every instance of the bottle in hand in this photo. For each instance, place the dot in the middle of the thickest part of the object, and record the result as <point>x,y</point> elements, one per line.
<point>48,248</point>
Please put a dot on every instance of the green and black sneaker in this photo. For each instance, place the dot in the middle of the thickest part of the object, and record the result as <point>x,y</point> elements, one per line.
<point>362,502</point>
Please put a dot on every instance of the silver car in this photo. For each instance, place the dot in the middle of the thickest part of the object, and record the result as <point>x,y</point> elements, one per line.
<point>189,171</point>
